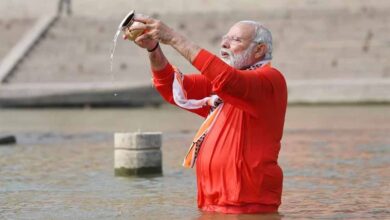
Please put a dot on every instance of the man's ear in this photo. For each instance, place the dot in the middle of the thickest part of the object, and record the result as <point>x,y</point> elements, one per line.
<point>261,50</point>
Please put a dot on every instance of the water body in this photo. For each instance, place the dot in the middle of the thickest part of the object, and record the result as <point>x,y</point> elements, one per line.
<point>335,162</point>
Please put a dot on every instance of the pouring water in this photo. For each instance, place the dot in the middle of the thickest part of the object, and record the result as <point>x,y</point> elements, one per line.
<point>127,21</point>
<point>114,41</point>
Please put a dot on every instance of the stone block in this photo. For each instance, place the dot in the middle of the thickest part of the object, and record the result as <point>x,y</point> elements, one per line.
<point>137,141</point>
<point>10,139</point>
<point>137,153</point>
<point>137,158</point>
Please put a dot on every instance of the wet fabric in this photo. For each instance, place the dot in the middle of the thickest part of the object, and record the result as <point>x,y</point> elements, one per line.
<point>237,169</point>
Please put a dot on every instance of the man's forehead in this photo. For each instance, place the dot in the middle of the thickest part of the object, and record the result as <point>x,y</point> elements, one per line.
<point>242,29</point>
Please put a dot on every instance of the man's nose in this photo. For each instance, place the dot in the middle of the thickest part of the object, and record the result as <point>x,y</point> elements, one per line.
<point>225,44</point>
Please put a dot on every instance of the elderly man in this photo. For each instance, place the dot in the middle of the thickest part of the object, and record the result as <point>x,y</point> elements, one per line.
<point>244,102</point>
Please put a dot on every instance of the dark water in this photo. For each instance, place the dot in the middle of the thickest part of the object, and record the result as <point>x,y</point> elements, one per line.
<point>335,162</point>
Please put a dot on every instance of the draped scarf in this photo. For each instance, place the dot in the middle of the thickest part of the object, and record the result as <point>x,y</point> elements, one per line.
<point>215,103</point>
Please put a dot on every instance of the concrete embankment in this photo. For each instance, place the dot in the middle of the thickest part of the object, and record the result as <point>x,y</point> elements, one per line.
<point>81,94</point>
<point>334,53</point>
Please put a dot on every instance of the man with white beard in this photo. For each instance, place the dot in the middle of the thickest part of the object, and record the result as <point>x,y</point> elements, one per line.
<point>244,102</point>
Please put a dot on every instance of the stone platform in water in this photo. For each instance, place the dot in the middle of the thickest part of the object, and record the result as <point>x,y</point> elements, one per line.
<point>138,153</point>
<point>9,139</point>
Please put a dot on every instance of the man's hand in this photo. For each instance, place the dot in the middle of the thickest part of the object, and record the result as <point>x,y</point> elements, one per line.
<point>155,29</point>
<point>143,43</point>
<point>158,31</point>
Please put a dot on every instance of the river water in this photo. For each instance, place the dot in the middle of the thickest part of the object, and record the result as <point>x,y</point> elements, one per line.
<point>335,161</point>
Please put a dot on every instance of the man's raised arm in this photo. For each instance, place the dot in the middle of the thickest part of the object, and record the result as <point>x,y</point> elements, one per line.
<point>158,31</point>
<point>157,58</point>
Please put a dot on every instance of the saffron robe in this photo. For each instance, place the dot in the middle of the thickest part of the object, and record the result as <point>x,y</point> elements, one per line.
<point>237,169</point>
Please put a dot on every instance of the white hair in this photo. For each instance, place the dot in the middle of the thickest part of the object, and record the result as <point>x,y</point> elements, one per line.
<point>261,35</point>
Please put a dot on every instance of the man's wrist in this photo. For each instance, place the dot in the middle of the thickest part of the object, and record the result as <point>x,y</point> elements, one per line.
<point>154,48</point>
<point>176,39</point>
<point>186,48</point>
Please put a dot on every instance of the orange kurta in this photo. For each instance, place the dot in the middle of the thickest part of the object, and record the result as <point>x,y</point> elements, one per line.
<point>237,169</point>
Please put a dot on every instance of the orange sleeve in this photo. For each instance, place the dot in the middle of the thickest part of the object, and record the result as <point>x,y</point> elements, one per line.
<point>244,89</point>
<point>195,85</point>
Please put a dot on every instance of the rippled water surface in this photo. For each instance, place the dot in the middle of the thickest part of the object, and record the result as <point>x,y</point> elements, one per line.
<point>335,162</point>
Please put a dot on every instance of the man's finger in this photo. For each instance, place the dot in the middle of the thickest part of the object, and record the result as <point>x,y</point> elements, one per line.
<point>146,27</point>
<point>142,37</point>
<point>139,40</point>
<point>149,26</point>
<point>136,26</point>
<point>143,18</point>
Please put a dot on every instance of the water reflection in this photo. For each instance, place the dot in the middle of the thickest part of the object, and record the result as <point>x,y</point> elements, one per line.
<point>216,216</point>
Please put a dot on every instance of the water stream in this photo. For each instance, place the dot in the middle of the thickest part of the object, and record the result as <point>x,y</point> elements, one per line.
<point>114,42</point>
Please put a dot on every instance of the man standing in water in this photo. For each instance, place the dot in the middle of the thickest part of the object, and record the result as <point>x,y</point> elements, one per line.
<point>237,147</point>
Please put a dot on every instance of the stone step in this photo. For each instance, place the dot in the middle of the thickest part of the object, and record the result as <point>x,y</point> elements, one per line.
<point>310,45</point>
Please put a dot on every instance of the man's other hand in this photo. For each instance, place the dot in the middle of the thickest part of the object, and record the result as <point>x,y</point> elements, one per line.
<point>155,29</point>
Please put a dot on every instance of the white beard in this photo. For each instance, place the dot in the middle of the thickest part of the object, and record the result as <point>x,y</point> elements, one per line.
<point>240,60</point>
